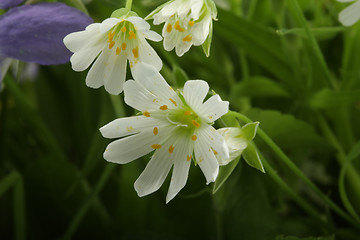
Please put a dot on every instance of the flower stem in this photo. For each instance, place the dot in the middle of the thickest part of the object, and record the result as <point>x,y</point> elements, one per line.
<point>295,169</point>
<point>128,4</point>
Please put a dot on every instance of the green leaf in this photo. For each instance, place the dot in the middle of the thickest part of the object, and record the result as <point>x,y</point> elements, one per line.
<point>7,182</point>
<point>249,130</point>
<point>19,210</point>
<point>229,121</point>
<point>329,98</point>
<point>307,238</point>
<point>252,158</point>
<point>259,86</point>
<point>224,174</point>
<point>323,33</point>
<point>250,37</point>
<point>207,44</point>
<point>179,75</point>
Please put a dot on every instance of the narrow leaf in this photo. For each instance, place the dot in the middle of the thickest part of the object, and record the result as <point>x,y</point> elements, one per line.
<point>224,174</point>
<point>7,182</point>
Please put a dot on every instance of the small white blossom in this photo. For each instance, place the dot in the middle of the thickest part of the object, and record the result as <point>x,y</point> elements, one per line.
<point>113,42</point>
<point>187,23</point>
<point>177,125</point>
<point>351,14</point>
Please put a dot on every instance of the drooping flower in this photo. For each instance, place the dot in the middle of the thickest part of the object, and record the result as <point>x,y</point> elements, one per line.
<point>187,23</point>
<point>351,14</point>
<point>238,141</point>
<point>117,39</point>
<point>34,33</point>
<point>177,125</point>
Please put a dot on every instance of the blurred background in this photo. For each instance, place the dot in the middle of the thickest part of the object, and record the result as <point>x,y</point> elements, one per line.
<point>55,184</point>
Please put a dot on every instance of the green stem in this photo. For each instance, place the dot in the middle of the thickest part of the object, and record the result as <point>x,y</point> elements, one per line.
<point>80,5</point>
<point>89,201</point>
<point>313,43</point>
<point>295,169</point>
<point>128,4</point>
<point>302,203</point>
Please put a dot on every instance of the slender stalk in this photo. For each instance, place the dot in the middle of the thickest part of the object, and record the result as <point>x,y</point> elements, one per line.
<point>295,169</point>
<point>313,43</point>
<point>128,4</point>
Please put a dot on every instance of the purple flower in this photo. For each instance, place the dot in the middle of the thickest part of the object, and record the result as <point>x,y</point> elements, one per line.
<point>5,4</point>
<point>34,33</point>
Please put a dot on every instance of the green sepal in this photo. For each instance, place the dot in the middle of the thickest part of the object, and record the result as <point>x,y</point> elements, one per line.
<point>249,131</point>
<point>211,5</point>
<point>123,13</point>
<point>207,44</point>
<point>150,16</point>
<point>224,173</point>
<point>229,121</point>
<point>252,158</point>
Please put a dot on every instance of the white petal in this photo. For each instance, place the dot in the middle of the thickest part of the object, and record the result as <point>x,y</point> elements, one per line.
<point>82,59</point>
<point>117,75</point>
<point>350,15</point>
<point>170,9</point>
<point>127,126</point>
<point>151,35</point>
<point>139,98</point>
<point>184,9</point>
<point>215,140</point>
<point>130,148</point>
<point>95,76</point>
<point>181,167</point>
<point>196,6</point>
<point>213,108</point>
<point>170,40</point>
<point>345,0</point>
<point>182,48</point>
<point>155,172</point>
<point>139,23</point>
<point>77,40</point>
<point>195,92</point>
<point>109,23</point>
<point>151,79</point>
<point>206,159</point>
<point>148,55</point>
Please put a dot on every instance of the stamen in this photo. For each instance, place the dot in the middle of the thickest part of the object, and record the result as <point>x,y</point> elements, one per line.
<point>123,46</point>
<point>187,113</point>
<point>191,23</point>
<point>156,131</point>
<point>118,51</point>
<point>195,123</point>
<point>146,114</point>
<point>123,29</point>
<point>188,158</point>
<point>164,107</point>
<point>169,28</point>
<point>136,52</point>
<point>194,137</point>
<point>132,35</point>
<point>172,100</point>
<point>171,149</point>
<point>177,26</point>
<point>188,38</point>
<point>215,152</point>
<point>111,36</point>
<point>156,146</point>
<point>111,44</point>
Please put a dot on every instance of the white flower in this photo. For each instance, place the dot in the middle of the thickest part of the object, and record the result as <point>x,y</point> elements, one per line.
<point>177,125</point>
<point>187,23</point>
<point>113,42</point>
<point>351,14</point>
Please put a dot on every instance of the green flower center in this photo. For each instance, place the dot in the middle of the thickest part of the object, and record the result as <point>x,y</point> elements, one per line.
<point>186,118</point>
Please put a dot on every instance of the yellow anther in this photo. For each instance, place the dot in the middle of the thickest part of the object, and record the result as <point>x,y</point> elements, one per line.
<point>188,38</point>
<point>187,113</point>
<point>164,107</point>
<point>146,114</point>
<point>169,28</point>
<point>118,51</point>
<point>172,100</point>
<point>136,52</point>
<point>156,131</point>
<point>215,152</point>
<point>194,137</point>
<point>132,35</point>
<point>111,36</point>
<point>156,146</point>
<point>123,29</point>
<point>111,44</point>
<point>195,123</point>
<point>177,26</point>
<point>171,149</point>
<point>123,46</point>
<point>188,158</point>
<point>191,23</point>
